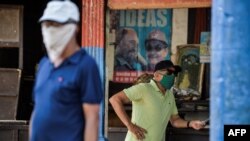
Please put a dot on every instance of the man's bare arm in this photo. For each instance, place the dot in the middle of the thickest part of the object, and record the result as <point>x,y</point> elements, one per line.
<point>91,112</point>
<point>117,101</point>
<point>178,122</point>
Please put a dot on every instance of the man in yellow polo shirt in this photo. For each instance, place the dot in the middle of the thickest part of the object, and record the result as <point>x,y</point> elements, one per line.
<point>153,106</point>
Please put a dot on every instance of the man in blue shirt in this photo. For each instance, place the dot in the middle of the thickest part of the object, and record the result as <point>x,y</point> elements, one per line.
<point>68,88</point>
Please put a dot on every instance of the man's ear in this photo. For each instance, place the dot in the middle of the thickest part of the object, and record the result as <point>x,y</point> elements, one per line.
<point>157,76</point>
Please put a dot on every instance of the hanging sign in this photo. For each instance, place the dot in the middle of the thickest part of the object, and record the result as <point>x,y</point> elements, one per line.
<point>146,4</point>
<point>141,38</point>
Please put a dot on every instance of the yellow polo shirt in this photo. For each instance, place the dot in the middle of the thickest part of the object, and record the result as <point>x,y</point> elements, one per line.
<point>151,110</point>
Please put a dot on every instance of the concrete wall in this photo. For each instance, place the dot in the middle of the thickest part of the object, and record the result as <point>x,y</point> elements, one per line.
<point>179,30</point>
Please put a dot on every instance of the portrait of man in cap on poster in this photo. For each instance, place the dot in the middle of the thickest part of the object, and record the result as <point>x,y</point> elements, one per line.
<point>157,48</point>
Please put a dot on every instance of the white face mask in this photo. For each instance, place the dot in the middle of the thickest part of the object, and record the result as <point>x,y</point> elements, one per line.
<point>57,38</point>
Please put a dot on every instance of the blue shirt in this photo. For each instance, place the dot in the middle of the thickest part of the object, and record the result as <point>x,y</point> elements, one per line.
<point>59,94</point>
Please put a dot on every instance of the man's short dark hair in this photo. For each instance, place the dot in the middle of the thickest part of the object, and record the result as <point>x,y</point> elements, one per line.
<point>166,64</point>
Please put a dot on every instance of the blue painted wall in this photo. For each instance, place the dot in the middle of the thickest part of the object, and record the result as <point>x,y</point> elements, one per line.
<point>230,65</point>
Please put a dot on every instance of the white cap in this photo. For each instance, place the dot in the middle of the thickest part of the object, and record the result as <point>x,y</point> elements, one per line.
<point>158,35</point>
<point>61,12</point>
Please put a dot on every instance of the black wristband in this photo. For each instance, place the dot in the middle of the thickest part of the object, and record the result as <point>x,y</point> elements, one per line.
<point>188,124</point>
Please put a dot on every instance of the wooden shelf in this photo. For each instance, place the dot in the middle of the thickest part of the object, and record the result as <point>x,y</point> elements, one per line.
<point>193,106</point>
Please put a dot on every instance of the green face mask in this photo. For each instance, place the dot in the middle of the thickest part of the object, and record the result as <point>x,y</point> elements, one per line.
<point>167,81</point>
